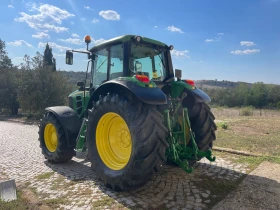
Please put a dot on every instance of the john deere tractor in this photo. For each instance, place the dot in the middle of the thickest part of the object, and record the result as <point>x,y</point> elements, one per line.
<point>135,114</point>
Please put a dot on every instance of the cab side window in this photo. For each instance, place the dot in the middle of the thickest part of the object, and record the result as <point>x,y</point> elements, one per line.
<point>100,67</point>
<point>116,65</point>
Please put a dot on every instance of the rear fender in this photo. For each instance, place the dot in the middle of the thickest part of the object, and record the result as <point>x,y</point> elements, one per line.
<point>194,94</point>
<point>148,95</point>
<point>69,120</point>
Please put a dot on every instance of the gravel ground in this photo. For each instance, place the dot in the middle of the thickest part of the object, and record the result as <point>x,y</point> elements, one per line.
<point>76,187</point>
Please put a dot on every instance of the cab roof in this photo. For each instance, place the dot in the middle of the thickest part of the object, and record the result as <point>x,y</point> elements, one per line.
<point>125,38</point>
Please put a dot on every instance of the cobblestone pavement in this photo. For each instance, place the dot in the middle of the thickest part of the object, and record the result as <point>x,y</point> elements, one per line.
<point>77,187</point>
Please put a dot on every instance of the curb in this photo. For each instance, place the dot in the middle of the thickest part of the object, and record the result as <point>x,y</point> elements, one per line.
<point>221,149</point>
<point>20,121</point>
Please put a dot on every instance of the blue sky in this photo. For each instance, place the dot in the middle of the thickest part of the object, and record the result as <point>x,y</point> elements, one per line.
<point>236,40</point>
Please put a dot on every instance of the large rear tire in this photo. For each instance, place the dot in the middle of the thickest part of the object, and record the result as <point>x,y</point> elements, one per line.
<point>203,125</point>
<point>53,140</point>
<point>126,141</point>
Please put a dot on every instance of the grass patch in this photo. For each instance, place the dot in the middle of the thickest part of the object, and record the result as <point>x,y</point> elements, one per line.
<point>44,175</point>
<point>251,134</point>
<point>219,189</point>
<point>20,203</point>
<point>253,162</point>
<point>55,202</point>
<point>106,201</point>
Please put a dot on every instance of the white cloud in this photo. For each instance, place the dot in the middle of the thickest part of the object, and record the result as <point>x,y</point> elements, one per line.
<point>75,35</point>
<point>58,55</point>
<point>72,41</point>
<point>155,26</point>
<point>47,17</point>
<point>247,43</point>
<point>19,43</point>
<point>209,40</point>
<point>95,20</point>
<point>41,35</point>
<point>180,54</point>
<point>174,29</point>
<point>88,8</point>
<point>17,58</point>
<point>11,6</point>
<point>216,39</point>
<point>109,15</point>
<point>245,52</point>
<point>53,45</point>
<point>98,41</point>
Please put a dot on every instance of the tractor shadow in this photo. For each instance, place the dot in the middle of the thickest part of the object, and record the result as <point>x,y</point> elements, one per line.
<point>172,187</point>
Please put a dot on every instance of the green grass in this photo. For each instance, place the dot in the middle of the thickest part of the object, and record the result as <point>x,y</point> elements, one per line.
<point>44,175</point>
<point>55,202</point>
<point>253,162</point>
<point>106,201</point>
<point>19,204</point>
<point>258,135</point>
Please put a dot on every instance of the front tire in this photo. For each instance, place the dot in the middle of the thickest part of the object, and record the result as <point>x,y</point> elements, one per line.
<point>53,140</point>
<point>126,141</point>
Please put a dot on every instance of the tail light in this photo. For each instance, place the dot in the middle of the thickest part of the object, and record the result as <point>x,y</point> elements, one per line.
<point>190,82</point>
<point>142,78</point>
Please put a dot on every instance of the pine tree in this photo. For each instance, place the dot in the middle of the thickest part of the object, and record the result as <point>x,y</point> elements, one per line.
<point>48,59</point>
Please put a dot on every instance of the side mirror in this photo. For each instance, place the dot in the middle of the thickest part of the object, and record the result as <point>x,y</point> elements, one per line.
<point>178,73</point>
<point>69,57</point>
<point>80,84</point>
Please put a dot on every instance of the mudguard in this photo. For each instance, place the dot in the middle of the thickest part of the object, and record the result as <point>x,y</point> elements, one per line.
<point>200,95</point>
<point>149,95</point>
<point>69,120</point>
<point>194,96</point>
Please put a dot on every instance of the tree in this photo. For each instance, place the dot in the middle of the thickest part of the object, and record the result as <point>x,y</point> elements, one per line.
<point>5,61</point>
<point>8,81</point>
<point>42,87</point>
<point>48,59</point>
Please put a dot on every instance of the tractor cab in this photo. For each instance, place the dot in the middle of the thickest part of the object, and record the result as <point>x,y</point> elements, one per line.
<point>128,56</point>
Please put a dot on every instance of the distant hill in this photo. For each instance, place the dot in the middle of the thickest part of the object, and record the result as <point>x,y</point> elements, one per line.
<point>75,76</point>
<point>209,84</point>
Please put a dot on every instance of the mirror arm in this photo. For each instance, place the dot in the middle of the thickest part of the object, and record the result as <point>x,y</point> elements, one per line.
<point>79,51</point>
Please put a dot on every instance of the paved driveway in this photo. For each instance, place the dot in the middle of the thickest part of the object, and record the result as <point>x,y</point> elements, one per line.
<point>76,187</point>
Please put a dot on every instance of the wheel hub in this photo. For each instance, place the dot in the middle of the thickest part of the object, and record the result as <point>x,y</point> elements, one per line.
<point>50,137</point>
<point>113,141</point>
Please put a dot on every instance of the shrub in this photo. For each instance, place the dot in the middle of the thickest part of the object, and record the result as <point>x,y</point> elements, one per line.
<point>223,125</point>
<point>246,111</point>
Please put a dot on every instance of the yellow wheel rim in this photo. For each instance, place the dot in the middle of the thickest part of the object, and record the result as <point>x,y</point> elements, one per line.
<point>113,141</point>
<point>50,137</point>
<point>188,136</point>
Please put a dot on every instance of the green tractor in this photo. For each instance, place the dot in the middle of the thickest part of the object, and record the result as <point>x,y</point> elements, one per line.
<point>134,115</point>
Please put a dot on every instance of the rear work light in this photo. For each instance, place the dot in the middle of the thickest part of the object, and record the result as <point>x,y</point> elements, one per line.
<point>190,82</point>
<point>142,78</point>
